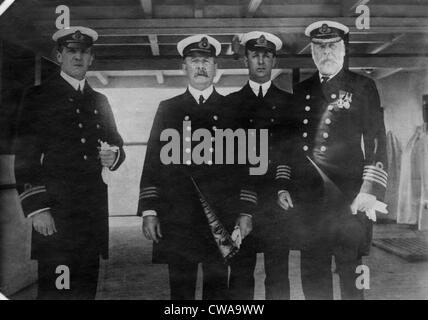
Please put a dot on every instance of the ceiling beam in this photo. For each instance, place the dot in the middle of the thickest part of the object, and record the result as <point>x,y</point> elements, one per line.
<point>387,44</point>
<point>252,8</point>
<point>147,8</point>
<point>154,45</point>
<point>408,62</point>
<point>175,73</point>
<point>181,26</point>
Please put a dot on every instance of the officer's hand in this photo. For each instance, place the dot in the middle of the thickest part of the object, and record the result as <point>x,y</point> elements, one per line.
<point>44,224</point>
<point>151,228</point>
<point>363,202</point>
<point>284,200</point>
<point>107,157</point>
<point>245,224</point>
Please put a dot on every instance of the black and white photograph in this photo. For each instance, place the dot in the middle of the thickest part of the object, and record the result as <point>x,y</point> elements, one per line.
<point>231,151</point>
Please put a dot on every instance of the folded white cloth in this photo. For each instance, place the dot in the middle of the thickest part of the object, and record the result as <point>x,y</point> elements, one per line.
<point>236,236</point>
<point>105,173</point>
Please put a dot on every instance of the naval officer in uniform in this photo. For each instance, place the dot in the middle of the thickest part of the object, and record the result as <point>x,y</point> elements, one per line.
<point>173,216</point>
<point>262,105</point>
<point>339,165</point>
<point>59,165</point>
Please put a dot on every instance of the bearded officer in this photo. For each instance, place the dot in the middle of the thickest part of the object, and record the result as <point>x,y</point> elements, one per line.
<point>339,168</point>
<point>59,168</point>
<point>261,105</point>
<point>173,216</point>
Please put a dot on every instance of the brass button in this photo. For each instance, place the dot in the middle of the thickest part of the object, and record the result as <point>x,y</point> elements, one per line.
<point>333,96</point>
<point>325,135</point>
<point>305,134</point>
<point>85,157</point>
<point>80,125</point>
<point>83,140</point>
<point>308,97</point>
<point>323,148</point>
<point>327,121</point>
<point>272,120</point>
<point>305,148</point>
<point>305,121</point>
<point>77,110</point>
<point>98,126</point>
<point>307,108</point>
<point>215,117</point>
<point>96,111</point>
<point>186,118</point>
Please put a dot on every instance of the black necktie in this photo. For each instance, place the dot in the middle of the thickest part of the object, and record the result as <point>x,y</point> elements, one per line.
<point>201,99</point>
<point>260,95</point>
<point>324,79</point>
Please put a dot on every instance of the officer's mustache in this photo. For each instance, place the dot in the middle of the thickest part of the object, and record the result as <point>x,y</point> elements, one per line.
<point>201,73</point>
<point>329,59</point>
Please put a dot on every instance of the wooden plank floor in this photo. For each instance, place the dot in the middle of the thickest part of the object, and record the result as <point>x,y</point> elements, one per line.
<point>130,275</point>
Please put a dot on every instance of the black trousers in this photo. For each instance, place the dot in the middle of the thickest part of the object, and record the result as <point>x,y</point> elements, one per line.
<point>83,272</point>
<point>183,275</point>
<point>273,242</point>
<point>344,236</point>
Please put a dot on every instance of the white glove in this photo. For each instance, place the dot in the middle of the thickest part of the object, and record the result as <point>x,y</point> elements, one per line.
<point>367,203</point>
<point>284,200</point>
<point>236,236</point>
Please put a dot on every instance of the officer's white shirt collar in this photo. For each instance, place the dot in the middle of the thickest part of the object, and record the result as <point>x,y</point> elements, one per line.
<point>197,93</point>
<point>256,87</point>
<point>74,82</point>
<point>329,77</point>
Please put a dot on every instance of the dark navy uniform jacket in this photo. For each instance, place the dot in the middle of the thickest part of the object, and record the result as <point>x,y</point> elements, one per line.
<point>57,164</point>
<point>168,189</point>
<point>339,127</point>
<point>269,113</point>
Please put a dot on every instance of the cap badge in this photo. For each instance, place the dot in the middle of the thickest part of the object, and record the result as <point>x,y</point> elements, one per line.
<point>204,44</point>
<point>261,41</point>
<point>77,35</point>
<point>324,29</point>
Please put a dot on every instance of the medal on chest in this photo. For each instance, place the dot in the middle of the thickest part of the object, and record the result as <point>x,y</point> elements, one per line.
<point>344,100</point>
